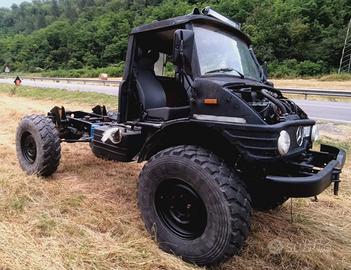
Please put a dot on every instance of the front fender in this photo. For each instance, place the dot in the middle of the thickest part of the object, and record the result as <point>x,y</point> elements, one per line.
<point>186,133</point>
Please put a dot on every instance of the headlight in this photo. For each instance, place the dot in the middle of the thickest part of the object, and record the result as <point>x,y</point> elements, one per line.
<point>283,142</point>
<point>314,133</point>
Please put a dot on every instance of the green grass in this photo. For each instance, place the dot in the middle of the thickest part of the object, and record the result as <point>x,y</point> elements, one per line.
<point>18,203</point>
<point>343,144</point>
<point>336,77</point>
<point>45,224</point>
<point>60,95</point>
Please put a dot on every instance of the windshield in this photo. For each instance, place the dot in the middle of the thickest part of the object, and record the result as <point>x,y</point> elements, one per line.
<point>220,52</point>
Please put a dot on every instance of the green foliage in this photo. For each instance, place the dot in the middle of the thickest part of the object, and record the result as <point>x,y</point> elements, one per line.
<point>293,68</point>
<point>88,98</point>
<point>297,37</point>
<point>111,71</point>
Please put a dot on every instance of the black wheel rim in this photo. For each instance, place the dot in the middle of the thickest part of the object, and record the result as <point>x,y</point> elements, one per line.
<point>29,147</point>
<point>181,209</point>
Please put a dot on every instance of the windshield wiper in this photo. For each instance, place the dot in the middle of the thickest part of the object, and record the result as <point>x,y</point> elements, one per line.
<point>226,70</point>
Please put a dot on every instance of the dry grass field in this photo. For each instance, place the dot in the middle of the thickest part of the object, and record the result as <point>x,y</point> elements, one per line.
<point>312,83</point>
<point>85,215</point>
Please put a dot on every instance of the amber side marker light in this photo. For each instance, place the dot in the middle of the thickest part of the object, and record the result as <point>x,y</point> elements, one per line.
<point>210,101</point>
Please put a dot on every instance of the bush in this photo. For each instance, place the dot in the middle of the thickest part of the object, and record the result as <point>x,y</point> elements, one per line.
<point>293,68</point>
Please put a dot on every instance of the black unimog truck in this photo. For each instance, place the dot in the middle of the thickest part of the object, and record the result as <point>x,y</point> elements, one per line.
<point>218,138</point>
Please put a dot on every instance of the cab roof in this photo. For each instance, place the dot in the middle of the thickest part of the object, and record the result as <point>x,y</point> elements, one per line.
<point>180,21</point>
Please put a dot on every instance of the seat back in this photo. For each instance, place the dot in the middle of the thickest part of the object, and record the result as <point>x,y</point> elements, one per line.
<point>150,91</point>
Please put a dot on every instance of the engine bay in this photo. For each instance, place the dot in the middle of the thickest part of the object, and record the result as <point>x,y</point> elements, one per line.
<point>271,105</point>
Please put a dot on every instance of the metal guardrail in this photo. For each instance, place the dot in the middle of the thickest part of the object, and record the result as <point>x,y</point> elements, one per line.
<point>293,91</point>
<point>316,92</point>
<point>68,80</point>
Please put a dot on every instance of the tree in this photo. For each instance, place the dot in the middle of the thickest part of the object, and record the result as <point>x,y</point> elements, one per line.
<point>294,35</point>
<point>55,10</point>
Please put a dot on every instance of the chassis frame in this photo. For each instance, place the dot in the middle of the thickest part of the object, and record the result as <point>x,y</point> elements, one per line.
<point>301,173</point>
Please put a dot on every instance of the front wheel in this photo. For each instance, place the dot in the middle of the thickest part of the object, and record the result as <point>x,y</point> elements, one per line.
<point>194,204</point>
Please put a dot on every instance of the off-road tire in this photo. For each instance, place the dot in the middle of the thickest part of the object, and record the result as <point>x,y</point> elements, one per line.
<point>38,134</point>
<point>227,204</point>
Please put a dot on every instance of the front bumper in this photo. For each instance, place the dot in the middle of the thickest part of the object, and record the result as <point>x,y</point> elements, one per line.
<point>312,174</point>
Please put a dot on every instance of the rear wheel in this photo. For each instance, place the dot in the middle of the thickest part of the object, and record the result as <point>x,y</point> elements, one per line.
<point>194,204</point>
<point>38,145</point>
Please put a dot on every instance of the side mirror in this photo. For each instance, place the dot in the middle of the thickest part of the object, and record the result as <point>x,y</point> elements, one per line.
<point>265,69</point>
<point>183,47</point>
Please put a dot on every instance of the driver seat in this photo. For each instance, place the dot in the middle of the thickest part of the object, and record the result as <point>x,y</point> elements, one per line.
<point>151,94</point>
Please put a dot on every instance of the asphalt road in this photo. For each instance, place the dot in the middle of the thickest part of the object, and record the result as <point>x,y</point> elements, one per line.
<point>319,110</point>
<point>327,110</point>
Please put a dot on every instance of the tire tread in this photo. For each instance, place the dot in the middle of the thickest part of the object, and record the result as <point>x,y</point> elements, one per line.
<point>50,143</point>
<point>230,185</point>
